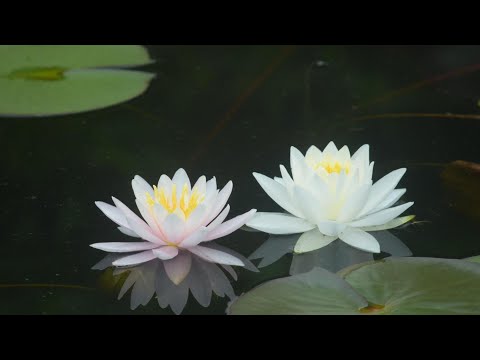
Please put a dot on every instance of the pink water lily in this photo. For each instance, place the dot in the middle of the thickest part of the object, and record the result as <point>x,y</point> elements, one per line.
<point>177,218</point>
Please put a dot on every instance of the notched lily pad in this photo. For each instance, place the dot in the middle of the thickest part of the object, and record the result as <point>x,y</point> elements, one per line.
<point>45,80</point>
<point>389,286</point>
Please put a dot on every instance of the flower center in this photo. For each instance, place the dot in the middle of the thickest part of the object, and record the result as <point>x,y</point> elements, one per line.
<point>186,202</point>
<point>331,166</point>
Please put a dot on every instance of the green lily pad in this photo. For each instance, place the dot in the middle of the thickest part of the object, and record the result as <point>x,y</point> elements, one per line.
<point>43,80</point>
<point>14,57</point>
<point>475,259</point>
<point>316,292</point>
<point>389,286</point>
<point>420,285</point>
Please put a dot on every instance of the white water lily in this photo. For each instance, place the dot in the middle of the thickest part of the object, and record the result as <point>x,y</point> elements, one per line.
<point>178,218</point>
<point>331,196</point>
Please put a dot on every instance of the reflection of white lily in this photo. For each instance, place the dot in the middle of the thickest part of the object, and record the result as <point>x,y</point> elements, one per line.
<point>331,196</point>
<point>178,218</point>
<point>150,278</point>
<point>333,257</point>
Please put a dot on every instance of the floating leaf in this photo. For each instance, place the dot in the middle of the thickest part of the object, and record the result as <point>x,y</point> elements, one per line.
<point>316,292</point>
<point>15,57</point>
<point>389,286</point>
<point>420,285</point>
<point>41,80</point>
<point>475,259</point>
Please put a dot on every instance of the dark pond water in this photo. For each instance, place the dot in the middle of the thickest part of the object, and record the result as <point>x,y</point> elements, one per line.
<point>226,111</point>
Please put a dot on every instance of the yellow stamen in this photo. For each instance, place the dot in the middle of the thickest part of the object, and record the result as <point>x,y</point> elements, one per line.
<point>186,202</point>
<point>332,166</point>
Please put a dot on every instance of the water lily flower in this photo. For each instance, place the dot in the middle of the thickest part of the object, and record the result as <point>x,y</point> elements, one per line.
<point>330,196</point>
<point>177,220</point>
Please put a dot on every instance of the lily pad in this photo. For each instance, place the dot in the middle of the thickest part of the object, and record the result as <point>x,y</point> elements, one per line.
<point>316,292</point>
<point>475,259</point>
<point>44,80</point>
<point>389,286</point>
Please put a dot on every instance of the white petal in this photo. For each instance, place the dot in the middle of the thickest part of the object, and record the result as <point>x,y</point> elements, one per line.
<point>160,213</point>
<point>301,172</point>
<point>201,185</point>
<point>136,224</point>
<point>215,256</point>
<point>318,187</point>
<point>135,259</point>
<point>127,231</point>
<point>381,189</point>
<point>141,188</point>
<point>331,228</point>
<point>279,180</point>
<point>277,192</point>
<point>124,246</point>
<point>312,207</point>
<point>165,252</point>
<point>196,218</point>
<point>360,239</point>
<point>113,213</point>
<point>354,203</point>
<point>381,217</point>
<point>361,156</point>
<point>330,149</point>
<point>287,180</point>
<point>194,239</point>
<point>178,268</point>
<point>391,199</point>
<point>231,225</point>
<point>149,216</point>
<point>220,218</point>
<point>391,224</point>
<point>211,186</point>
<point>279,223</point>
<point>312,240</point>
<point>313,154</point>
<point>173,227</point>
<point>180,179</point>
<point>164,182</point>
<point>343,154</point>
<point>220,201</point>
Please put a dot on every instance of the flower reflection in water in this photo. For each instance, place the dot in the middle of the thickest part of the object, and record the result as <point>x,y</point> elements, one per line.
<point>333,257</point>
<point>150,278</point>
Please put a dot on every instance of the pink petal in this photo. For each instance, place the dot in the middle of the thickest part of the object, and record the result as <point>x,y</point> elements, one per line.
<point>215,256</point>
<point>220,218</point>
<point>124,246</point>
<point>220,201</point>
<point>194,239</point>
<point>165,252</point>
<point>136,224</point>
<point>114,214</point>
<point>135,259</point>
<point>173,228</point>
<point>231,225</point>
